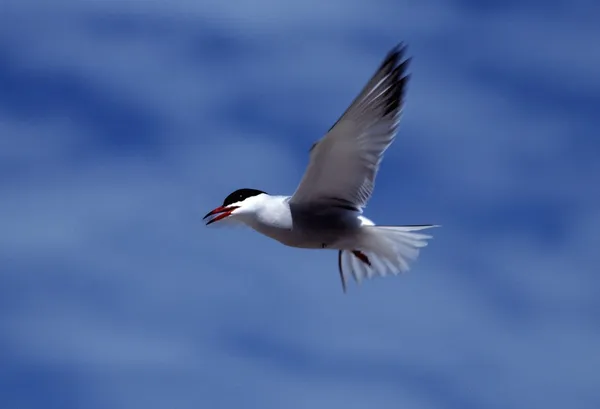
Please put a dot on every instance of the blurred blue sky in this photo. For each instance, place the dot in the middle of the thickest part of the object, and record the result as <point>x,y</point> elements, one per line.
<point>123,122</point>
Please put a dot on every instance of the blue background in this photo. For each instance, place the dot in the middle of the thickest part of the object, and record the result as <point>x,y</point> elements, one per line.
<point>123,122</point>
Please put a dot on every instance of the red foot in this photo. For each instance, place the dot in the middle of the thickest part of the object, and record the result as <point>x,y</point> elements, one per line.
<point>362,257</point>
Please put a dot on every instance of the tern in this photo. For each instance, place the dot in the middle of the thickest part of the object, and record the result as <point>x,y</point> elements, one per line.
<point>325,211</point>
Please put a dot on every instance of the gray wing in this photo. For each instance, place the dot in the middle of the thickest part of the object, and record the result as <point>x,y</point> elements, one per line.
<point>344,163</point>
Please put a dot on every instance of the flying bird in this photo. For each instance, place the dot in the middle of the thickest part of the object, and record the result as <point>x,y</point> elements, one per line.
<point>325,211</point>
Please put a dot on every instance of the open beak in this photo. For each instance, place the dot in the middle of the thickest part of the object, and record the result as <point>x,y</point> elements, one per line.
<point>221,212</point>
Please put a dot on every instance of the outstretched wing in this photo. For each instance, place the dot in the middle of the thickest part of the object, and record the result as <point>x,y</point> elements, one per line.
<point>344,163</point>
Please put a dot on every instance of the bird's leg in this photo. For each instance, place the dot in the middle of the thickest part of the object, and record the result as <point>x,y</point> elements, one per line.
<point>341,272</point>
<point>362,257</point>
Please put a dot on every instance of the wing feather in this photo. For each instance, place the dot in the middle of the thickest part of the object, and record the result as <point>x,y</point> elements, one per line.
<point>344,163</point>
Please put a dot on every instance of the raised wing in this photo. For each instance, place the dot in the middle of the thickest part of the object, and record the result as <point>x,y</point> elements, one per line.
<point>344,163</point>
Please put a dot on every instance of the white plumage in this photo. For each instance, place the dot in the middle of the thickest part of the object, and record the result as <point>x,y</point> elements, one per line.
<point>326,209</point>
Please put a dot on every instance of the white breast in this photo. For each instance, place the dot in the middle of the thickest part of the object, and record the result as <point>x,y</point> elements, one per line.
<point>275,219</point>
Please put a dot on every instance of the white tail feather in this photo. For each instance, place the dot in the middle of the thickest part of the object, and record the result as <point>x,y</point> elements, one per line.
<point>388,250</point>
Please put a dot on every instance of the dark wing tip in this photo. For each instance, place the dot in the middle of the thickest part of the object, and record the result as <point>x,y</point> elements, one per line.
<point>396,94</point>
<point>397,65</point>
<point>394,55</point>
<point>384,93</point>
<point>391,78</point>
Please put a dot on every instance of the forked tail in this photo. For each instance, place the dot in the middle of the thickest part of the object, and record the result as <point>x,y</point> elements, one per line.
<point>382,250</point>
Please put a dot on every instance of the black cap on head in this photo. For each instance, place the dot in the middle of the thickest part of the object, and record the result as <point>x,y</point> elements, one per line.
<point>241,195</point>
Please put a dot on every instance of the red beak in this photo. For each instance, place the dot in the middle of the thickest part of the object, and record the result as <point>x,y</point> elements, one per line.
<point>221,212</point>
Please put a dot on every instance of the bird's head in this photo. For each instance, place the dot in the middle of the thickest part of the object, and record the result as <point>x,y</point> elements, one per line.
<point>236,205</point>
